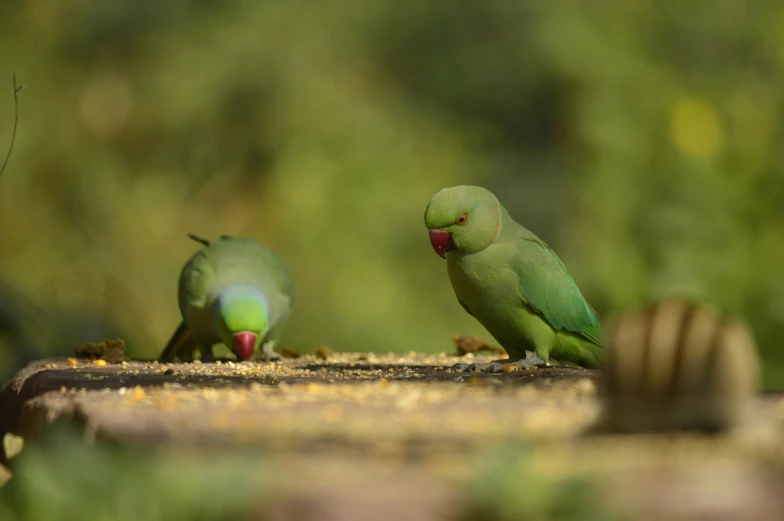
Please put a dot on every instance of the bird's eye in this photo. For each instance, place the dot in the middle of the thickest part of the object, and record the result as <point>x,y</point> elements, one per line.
<point>462,219</point>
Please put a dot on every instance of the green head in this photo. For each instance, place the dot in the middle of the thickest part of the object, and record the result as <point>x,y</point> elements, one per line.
<point>241,316</point>
<point>463,218</point>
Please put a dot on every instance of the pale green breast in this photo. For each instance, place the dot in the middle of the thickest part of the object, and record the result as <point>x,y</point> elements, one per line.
<point>486,285</point>
<point>242,261</point>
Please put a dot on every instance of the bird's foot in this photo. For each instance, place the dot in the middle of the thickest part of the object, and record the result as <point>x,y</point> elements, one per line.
<point>503,365</point>
<point>207,357</point>
<point>272,356</point>
<point>268,354</point>
<point>533,360</point>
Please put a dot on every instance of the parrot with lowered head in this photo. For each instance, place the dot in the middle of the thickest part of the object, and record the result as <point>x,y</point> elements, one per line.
<point>512,283</point>
<point>232,291</point>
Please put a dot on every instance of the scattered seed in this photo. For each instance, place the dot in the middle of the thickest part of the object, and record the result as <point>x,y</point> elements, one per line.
<point>138,394</point>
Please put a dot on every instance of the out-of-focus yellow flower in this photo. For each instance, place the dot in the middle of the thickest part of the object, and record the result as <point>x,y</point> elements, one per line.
<point>695,128</point>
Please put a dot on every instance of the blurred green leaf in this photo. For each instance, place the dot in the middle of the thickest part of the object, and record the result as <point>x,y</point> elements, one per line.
<point>65,479</point>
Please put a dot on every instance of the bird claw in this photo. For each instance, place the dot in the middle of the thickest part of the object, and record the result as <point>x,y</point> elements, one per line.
<point>533,360</point>
<point>500,366</point>
<point>272,356</point>
<point>269,355</point>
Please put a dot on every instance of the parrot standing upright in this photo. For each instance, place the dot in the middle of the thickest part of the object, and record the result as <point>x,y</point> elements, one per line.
<point>232,291</point>
<point>511,282</point>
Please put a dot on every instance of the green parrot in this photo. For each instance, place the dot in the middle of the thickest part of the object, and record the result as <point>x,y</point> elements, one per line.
<point>511,282</point>
<point>232,291</point>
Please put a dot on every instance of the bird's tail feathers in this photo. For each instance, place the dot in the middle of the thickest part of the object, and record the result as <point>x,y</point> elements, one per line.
<point>198,239</point>
<point>181,345</point>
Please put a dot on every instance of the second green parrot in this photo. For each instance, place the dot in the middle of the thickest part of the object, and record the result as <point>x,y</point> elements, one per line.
<point>232,291</point>
<point>511,282</point>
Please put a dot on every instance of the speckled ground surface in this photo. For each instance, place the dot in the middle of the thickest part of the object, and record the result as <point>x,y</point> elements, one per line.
<point>354,400</point>
<point>367,432</point>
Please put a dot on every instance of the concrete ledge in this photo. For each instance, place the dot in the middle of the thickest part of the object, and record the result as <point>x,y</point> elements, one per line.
<point>351,399</point>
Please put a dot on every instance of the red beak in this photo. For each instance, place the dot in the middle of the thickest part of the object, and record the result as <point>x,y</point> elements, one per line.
<point>244,343</point>
<point>441,241</point>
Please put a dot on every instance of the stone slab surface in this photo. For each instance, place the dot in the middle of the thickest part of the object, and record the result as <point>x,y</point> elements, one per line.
<point>389,435</point>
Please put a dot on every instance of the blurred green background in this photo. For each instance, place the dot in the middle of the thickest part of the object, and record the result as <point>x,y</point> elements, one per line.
<point>640,139</point>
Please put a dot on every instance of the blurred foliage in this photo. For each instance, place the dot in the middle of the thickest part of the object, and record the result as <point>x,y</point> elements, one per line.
<point>65,480</point>
<point>638,138</point>
<point>507,489</point>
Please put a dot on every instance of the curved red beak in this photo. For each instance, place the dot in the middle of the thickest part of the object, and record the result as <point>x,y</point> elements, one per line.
<point>243,344</point>
<point>441,242</point>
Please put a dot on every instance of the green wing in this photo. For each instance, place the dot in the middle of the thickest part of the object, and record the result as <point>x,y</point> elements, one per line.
<point>548,288</point>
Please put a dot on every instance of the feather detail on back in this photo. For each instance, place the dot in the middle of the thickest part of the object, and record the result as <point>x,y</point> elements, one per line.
<point>549,290</point>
